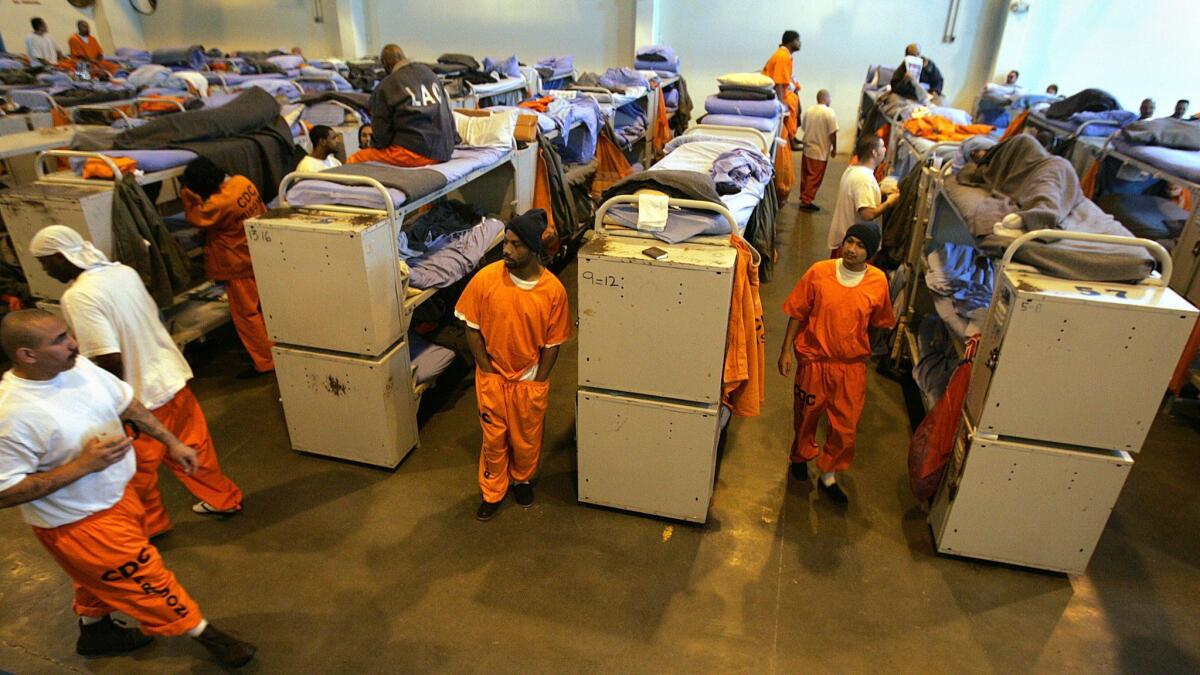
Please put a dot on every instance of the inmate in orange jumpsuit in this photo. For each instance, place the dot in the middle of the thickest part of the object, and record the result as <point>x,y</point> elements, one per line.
<point>183,417</point>
<point>832,348</point>
<point>779,69</point>
<point>89,49</point>
<point>516,325</point>
<point>227,258</point>
<point>113,566</point>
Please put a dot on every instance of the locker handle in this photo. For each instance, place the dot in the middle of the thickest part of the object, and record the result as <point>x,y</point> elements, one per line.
<point>1155,249</point>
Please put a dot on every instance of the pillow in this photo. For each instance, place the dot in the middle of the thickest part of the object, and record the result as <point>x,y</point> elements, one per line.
<point>747,79</point>
<point>494,130</point>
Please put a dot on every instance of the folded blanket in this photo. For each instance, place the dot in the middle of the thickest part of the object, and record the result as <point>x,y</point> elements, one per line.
<point>722,106</point>
<point>679,184</point>
<point>760,123</point>
<point>413,182</point>
<point>191,57</point>
<point>460,59</point>
<point>737,93</point>
<point>621,78</point>
<point>1167,132</point>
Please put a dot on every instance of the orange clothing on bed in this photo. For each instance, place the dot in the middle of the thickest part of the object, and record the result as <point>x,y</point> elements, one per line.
<point>222,217</point>
<point>541,200</point>
<point>834,318</point>
<point>662,125</point>
<point>611,165</point>
<point>1015,126</point>
<point>393,154</point>
<point>743,380</point>
<point>98,168</point>
<point>938,128</point>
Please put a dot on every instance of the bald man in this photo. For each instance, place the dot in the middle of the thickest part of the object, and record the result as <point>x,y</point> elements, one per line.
<point>65,460</point>
<point>411,122</point>
<point>820,144</point>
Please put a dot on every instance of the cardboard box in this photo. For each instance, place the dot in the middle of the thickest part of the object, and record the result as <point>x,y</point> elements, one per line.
<point>527,128</point>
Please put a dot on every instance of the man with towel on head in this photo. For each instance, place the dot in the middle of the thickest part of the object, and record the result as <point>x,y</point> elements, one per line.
<point>517,316</point>
<point>116,323</point>
<point>830,311</point>
<point>411,122</point>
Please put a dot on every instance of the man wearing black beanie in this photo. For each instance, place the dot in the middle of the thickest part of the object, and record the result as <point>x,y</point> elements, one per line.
<point>517,316</point>
<point>831,309</point>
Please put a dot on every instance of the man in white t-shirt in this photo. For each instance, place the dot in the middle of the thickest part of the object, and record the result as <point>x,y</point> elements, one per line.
<point>859,197</point>
<point>327,144</point>
<point>116,324</point>
<point>820,144</point>
<point>65,460</point>
<point>40,46</point>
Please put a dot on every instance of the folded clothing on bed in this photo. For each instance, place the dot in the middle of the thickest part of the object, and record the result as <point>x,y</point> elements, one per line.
<point>1167,132</point>
<point>437,227</point>
<point>769,109</point>
<point>620,79</point>
<point>554,67</point>
<point>746,79</point>
<point>737,92</point>
<point>657,58</point>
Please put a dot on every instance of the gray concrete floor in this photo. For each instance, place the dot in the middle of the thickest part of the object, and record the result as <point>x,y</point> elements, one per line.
<point>335,567</point>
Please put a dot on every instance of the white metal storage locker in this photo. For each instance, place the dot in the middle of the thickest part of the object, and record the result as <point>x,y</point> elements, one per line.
<point>28,208</point>
<point>1042,506</point>
<point>654,327</point>
<point>1077,363</point>
<point>328,280</point>
<point>357,408</point>
<point>647,455</point>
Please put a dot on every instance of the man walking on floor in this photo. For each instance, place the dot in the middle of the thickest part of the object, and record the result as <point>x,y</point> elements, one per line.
<point>820,145</point>
<point>116,324</point>
<point>830,311</point>
<point>65,460</point>
<point>859,197</point>
<point>220,205</point>
<point>779,69</point>
<point>517,316</point>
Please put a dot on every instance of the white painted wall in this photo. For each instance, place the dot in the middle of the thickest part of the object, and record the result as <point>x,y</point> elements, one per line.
<point>841,39</point>
<point>598,33</point>
<point>1132,49</point>
<point>231,25</point>
<point>113,22</point>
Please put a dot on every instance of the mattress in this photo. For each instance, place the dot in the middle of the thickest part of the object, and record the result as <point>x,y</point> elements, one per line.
<point>428,360</point>
<point>499,86</point>
<point>148,161</point>
<point>720,106</point>
<point>319,192</point>
<point>760,123</point>
<point>233,79</point>
<point>1184,164</point>
<point>1097,128</point>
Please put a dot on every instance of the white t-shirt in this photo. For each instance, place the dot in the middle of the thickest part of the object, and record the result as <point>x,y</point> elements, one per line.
<point>110,311</point>
<point>847,277</point>
<point>858,188</point>
<point>42,47</point>
<point>44,424</point>
<point>819,122</point>
<point>313,165</point>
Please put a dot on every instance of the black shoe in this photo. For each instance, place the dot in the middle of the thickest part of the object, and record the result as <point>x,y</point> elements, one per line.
<point>799,470</point>
<point>250,373</point>
<point>487,510</point>
<point>225,648</point>
<point>833,492</point>
<point>524,494</point>
<point>813,208</point>
<point>107,636</point>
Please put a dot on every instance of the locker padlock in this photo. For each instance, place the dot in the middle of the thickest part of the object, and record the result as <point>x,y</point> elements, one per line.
<point>993,358</point>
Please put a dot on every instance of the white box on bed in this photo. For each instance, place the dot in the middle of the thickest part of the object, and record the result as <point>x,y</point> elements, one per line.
<point>327,280</point>
<point>362,409</point>
<point>29,208</point>
<point>1076,362</point>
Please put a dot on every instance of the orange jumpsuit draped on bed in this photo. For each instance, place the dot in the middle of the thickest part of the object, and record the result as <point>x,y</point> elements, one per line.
<point>832,348</point>
<point>516,325</point>
<point>227,258</point>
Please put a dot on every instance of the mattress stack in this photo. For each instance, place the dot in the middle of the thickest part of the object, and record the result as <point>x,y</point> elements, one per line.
<point>659,58</point>
<point>744,100</point>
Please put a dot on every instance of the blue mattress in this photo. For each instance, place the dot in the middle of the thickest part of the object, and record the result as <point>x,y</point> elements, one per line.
<point>720,106</point>
<point>760,123</point>
<point>147,160</point>
<point>233,79</point>
<point>1182,163</point>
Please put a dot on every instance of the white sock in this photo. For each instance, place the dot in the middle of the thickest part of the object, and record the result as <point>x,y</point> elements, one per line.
<point>828,478</point>
<point>195,632</point>
<point>89,620</point>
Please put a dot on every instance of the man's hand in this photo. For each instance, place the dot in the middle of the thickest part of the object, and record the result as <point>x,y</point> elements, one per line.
<point>98,455</point>
<point>787,359</point>
<point>183,454</point>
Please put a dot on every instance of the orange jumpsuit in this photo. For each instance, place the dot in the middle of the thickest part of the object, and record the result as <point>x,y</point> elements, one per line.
<point>183,417</point>
<point>832,347</point>
<point>113,566</point>
<point>227,258</point>
<point>89,50</point>
<point>779,69</point>
<point>516,325</point>
<point>393,154</point>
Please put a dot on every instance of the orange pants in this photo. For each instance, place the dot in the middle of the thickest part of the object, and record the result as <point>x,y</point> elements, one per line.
<point>113,566</point>
<point>512,415</point>
<point>837,390</point>
<point>791,101</point>
<point>181,416</point>
<point>393,154</point>
<point>812,172</point>
<point>246,312</point>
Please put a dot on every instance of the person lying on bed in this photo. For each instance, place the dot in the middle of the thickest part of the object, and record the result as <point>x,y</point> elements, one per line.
<point>411,122</point>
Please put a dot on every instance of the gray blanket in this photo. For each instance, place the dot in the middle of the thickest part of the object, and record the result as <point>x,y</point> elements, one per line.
<point>678,184</point>
<point>413,182</point>
<point>1167,132</point>
<point>1019,176</point>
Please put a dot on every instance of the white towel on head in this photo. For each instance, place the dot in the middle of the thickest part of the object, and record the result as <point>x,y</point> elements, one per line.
<point>62,239</point>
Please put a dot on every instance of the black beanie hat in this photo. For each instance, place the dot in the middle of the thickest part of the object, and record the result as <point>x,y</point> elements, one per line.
<point>867,233</point>
<point>529,227</point>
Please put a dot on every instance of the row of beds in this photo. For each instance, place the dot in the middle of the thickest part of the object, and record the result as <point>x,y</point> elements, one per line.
<point>941,267</point>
